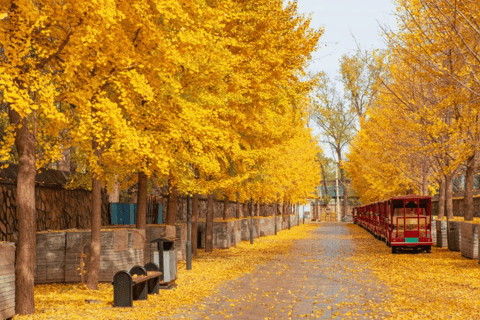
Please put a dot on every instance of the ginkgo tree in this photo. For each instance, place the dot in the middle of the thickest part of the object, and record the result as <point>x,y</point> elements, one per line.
<point>186,91</point>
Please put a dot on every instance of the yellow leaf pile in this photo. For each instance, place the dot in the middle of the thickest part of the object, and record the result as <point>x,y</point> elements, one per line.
<point>440,285</point>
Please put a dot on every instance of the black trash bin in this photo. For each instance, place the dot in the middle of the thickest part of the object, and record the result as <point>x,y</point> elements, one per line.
<point>166,259</point>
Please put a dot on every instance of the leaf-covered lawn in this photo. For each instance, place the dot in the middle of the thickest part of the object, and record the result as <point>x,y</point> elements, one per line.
<point>210,270</point>
<point>440,285</point>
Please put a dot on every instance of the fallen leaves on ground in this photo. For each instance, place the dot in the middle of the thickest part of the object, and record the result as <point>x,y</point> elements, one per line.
<point>440,285</point>
<point>210,270</point>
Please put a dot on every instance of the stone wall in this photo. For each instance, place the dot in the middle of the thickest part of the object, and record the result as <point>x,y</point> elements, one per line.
<point>181,215</point>
<point>230,232</point>
<point>469,240</point>
<point>434,232</point>
<point>56,209</point>
<point>454,231</point>
<point>181,241</point>
<point>63,256</point>
<point>155,232</point>
<point>442,240</point>
<point>7,280</point>
<point>458,207</point>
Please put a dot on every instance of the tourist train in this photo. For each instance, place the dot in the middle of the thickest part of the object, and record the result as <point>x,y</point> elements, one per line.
<point>403,222</point>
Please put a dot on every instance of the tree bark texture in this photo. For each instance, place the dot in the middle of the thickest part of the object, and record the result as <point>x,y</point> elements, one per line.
<point>448,196</point>
<point>26,244</point>
<point>142,201</point>
<point>142,209</point>
<point>94,259</point>
<point>194,224</point>
<point>441,200</point>
<point>115,195</point>
<point>468,201</point>
<point>172,204</point>
<point>324,180</point>
<point>209,224</point>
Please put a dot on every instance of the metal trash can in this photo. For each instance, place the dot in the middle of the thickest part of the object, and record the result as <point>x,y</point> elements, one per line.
<point>166,259</point>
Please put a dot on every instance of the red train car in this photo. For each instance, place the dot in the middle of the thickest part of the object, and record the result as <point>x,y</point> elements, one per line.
<point>402,221</point>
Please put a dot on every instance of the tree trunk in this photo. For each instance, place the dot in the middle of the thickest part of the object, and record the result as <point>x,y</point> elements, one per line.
<point>441,199</point>
<point>194,224</point>
<point>142,200</point>
<point>26,243</point>
<point>226,203</point>
<point>142,209</point>
<point>209,224</point>
<point>345,195</point>
<point>172,204</point>
<point>94,259</point>
<point>448,196</point>
<point>324,180</point>
<point>468,200</point>
<point>114,197</point>
<point>237,208</point>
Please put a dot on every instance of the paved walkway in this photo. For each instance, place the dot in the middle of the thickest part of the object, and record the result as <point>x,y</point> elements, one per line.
<point>315,280</point>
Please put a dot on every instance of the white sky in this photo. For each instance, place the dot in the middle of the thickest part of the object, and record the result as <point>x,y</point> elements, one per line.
<point>341,19</point>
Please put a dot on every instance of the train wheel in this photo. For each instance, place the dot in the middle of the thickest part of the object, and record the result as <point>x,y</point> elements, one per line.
<point>394,250</point>
<point>428,249</point>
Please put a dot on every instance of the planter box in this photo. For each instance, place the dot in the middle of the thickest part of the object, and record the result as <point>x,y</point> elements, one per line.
<point>245,225</point>
<point>236,235</point>
<point>221,234</point>
<point>181,241</point>
<point>155,231</point>
<point>120,249</point>
<point>50,257</point>
<point>434,232</point>
<point>469,240</point>
<point>60,255</point>
<point>454,231</point>
<point>442,240</point>
<point>7,280</point>
<point>226,234</point>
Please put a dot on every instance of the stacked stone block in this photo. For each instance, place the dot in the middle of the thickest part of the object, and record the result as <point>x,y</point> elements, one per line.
<point>469,240</point>
<point>154,232</point>
<point>7,280</point>
<point>245,223</point>
<point>50,257</point>
<point>63,256</point>
<point>120,250</point>
<point>236,233</point>
<point>442,240</point>
<point>454,231</point>
<point>181,241</point>
<point>434,232</point>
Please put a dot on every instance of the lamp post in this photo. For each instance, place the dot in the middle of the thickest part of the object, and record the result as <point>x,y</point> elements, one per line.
<point>189,233</point>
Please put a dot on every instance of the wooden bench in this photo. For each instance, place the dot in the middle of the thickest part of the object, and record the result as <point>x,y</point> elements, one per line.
<point>135,284</point>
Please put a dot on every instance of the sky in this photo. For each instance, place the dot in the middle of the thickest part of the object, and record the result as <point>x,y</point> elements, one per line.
<point>341,19</point>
